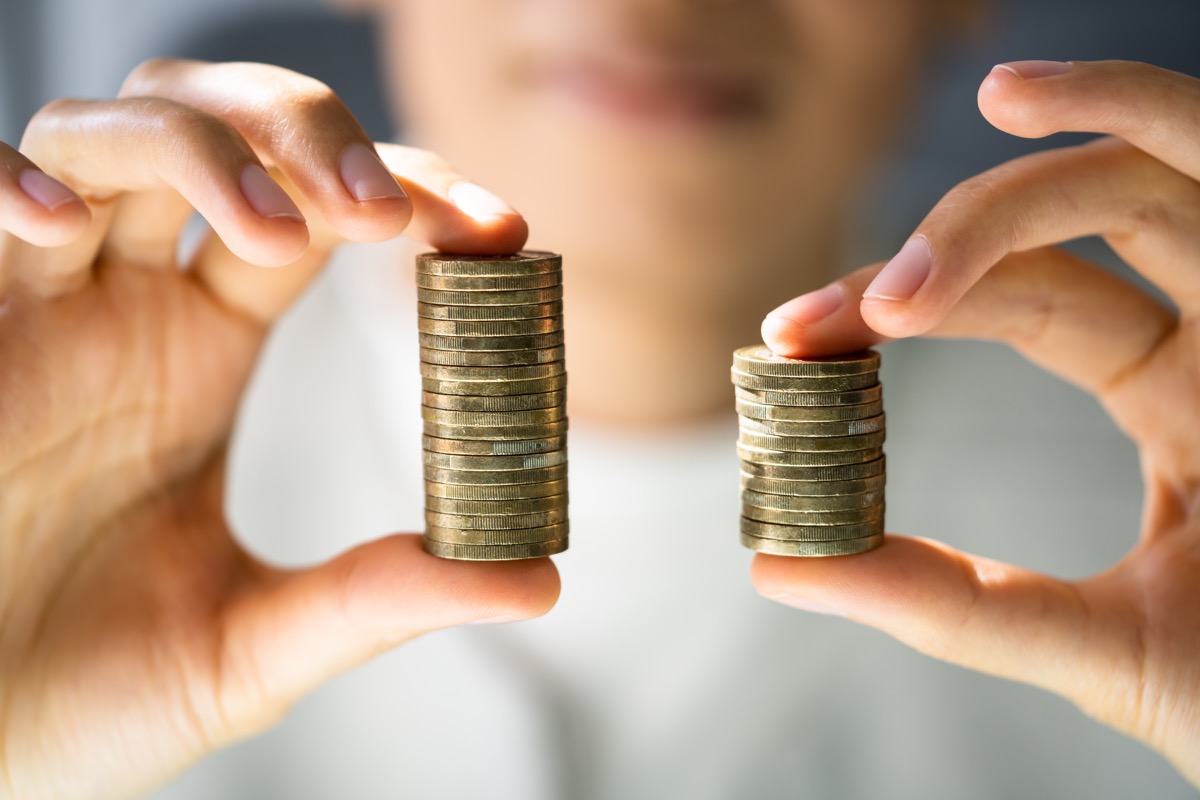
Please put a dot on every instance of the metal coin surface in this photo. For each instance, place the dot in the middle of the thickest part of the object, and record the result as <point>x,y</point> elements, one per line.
<point>499,522</point>
<point>506,402</point>
<point>511,373</point>
<point>776,383</point>
<point>491,538</point>
<point>810,533</point>
<point>843,547</point>
<point>492,358</point>
<point>490,327</point>
<point>809,444</point>
<point>491,477</point>
<point>759,456</point>
<point>814,519</point>
<point>871,466</point>
<point>554,383</point>
<point>872,394</point>
<point>527,297</point>
<point>852,427</point>
<point>539,341</point>
<point>463,312</point>
<point>761,411</point>
<point>810,503</point>
<point>512,552</point>
<point>534,416</point>
<point>491,462</point>
<point>526,262</point>
<point>446,505</point>
<point>491,447</point>
<point>493,283</point>
<point>497,491</point>
<point>497,432</point>
<point>759,360</point>
<point>799,489</point>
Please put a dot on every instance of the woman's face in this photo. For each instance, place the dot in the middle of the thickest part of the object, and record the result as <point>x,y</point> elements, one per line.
<point>695,131</point>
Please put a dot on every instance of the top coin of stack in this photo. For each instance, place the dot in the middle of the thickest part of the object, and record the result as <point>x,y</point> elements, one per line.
<point>494,405</point>
<point>810,441</point>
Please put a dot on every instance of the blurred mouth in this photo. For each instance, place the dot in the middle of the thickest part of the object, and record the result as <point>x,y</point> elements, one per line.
<point>668,95</point>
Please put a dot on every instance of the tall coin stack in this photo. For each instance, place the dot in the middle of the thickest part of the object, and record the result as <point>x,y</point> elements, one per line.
<point>493,381</point>
<point>810,441</point>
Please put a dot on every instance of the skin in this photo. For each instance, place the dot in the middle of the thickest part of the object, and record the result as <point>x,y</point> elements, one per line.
<point>136,635</point>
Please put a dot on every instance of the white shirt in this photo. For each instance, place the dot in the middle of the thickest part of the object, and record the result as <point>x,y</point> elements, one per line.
<point>660,673</point>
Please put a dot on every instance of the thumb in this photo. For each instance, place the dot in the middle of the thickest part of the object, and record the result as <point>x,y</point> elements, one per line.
<point>1070,638</point>
<point>294,631</point>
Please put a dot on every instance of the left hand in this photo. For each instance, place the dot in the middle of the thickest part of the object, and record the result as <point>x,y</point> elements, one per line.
<point>1123,645</point>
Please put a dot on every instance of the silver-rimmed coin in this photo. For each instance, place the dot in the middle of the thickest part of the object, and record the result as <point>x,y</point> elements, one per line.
<point>811,487</point>
<point>532,386</point>
<point>810,533</point>
<point>526,297</point>
<point>850,427</point>
<point>492,358</point>
<point>503,402</point>
<point>497,432</point>
<point>497,522</point>
<point>761,411</point>
<point>495,491</point>
<point>490,327</point>
<point>842,547</point>
<point>512,552</point>
<point>491,283</point>
<point>539,341</point>
<point>810,503</point>
<point>519,372</point>
<point>811,444</point>
<point>775,383</point>
<point>872,394</point>
<point>534,416</point>
<point>870,466</point>
<point>759,360</point>
<point>526,262</point>
<point>492,462</point>
<point>447,505</point>
<point>754,456</point>
<point>814,519</point>
<point>537,311</point>
<point>492,447</point>
<point>495,477</point>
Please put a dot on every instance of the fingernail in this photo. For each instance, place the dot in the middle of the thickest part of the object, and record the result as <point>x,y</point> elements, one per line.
<point>901,277</point>
<point>477,202</point>
<point>804,604</point>
<point>1035,69</point>
<point>265,195</point>
<point>44,190</point>
<point>807,309</point>
<point>365,177</point>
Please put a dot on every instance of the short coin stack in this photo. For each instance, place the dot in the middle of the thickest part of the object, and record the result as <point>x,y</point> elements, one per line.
<point>811,444</point>
<point>493,381</point>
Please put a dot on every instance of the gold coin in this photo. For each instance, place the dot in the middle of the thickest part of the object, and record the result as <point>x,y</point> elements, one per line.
<point>495,491</point>
<point>809,444</point>
<point>776,383</point>
<point>813,488</point>
<point>525,297</point>
<point>448,505</point>
<point>869,467</point>
<point>503,402</point>
<point>496,432</point>
<point>810,533</point>
<point>492,358</point>
<point>843,547</point>
<point>757,359</point>
<point>494,538</point>
<point>490,327</point>
<point>535,416</point>
<point>512,552</point>
<point>486,343</point>
<point>436,520</point>
<point>488,283</point>
<point>757,456</point>
<point>489,462</point>
<point>484,447</point>
<point>853,427</point>
<point>824,502</point>
<point>463,312</point>
<point>527,262</point>
<point>765,412</point>
<point>492,477</point>
<point>532,386</point>
<point>517,372</point>
<point>814,519</point>
<point>872,394</point>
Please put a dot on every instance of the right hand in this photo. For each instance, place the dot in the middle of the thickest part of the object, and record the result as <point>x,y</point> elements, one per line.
<point>135,633</point>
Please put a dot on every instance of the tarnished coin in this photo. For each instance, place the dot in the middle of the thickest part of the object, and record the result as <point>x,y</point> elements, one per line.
<point>498,522</point>
<point>526,262</point>
<point>841,547</point>
<point>493,283</point>
<point>852,427</point>
<point>762,411</point>
<point>490,462</point>
<point>813,519</point>
<point>503,402</point>
<point>497,491</point>
<point>448,505</point>
<point>872,394</point>
<point>801,489</point>
<point>824,502</point>
<point>871,466</point>
<point>534,416</point>
<point>756,456</point>
<point>775,383</point>
<point>495,477</point>
<point>810,444</point>
<point>510,552</point>
<point>507,432</point>
<point>528,297</point>
<point>537,311</point>
<point>490,327</point>
<point>532,386</point>
<point>519,372</point>
<point>484,343</point>
<point>810,533</point>
<point>494,538</point>
<point>759,360</point>
<point>488,447</point>
<point>492,358</point>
